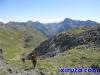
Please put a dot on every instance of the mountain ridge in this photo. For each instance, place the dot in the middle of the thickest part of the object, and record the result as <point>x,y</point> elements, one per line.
<point>49,29</point>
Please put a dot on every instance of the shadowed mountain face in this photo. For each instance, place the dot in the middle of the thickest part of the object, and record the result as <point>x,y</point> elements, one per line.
<point>50,29</point>
<point>67,24</point>
<point>65,41</point>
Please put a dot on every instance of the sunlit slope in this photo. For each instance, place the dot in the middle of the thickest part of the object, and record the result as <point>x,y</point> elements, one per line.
<point>12,41</point>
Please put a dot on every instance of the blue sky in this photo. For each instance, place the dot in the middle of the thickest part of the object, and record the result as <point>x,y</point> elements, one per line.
<point>49,10</point>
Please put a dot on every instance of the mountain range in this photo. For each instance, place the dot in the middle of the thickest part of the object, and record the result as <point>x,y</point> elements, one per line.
<point>49,29</point>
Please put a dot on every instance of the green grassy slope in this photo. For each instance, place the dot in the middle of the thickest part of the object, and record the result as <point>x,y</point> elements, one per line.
<point>11,40</point>
<point>76,57</point>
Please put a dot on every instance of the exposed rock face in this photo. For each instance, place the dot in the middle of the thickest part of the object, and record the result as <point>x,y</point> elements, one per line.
<point>90,36</point>
<point>64,41</point>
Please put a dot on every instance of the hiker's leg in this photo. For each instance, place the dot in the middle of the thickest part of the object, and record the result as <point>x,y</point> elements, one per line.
<point>34,63</point>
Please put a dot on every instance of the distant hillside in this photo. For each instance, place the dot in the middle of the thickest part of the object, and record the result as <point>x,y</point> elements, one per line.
<point>35,25</point>
<point>15,41</point>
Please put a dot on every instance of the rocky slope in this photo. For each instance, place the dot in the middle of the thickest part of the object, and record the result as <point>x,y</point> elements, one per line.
<point>9,69</point>
<point>64,41</point>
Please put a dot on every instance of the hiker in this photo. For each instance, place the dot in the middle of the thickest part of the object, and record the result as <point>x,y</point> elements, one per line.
<point>34,59</point>
<point>31,57</point>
